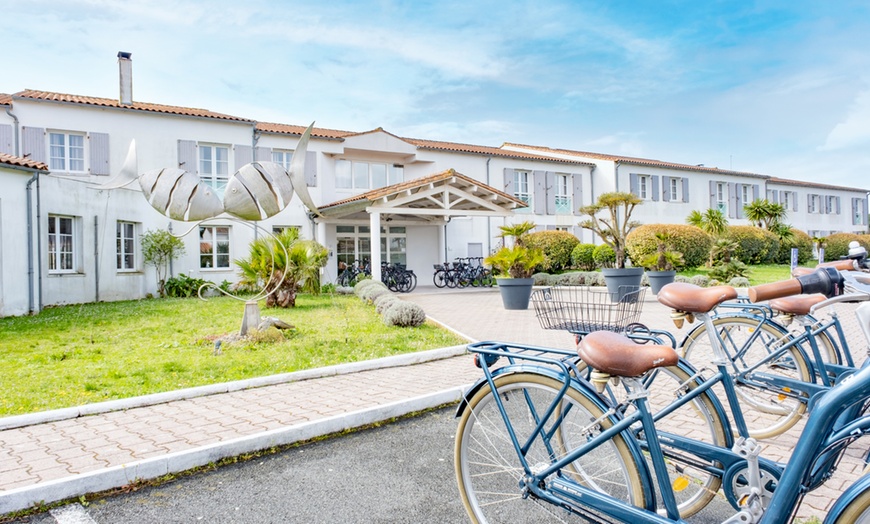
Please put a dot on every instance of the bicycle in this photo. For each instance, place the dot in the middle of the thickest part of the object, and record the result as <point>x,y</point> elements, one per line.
<point>544,429</point>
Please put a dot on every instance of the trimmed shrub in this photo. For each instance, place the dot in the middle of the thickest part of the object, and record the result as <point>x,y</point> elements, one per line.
<point>363,284</point>
<point>541,279</point>
<point>691,241</point>
<point>700,280</point>
<point>344,290</point>
<point>582,257</point>
<point>754,245</point>
<point>404,314</point>
<point>725,272</point>
<point>837,245</point>
<point>739,282</point>
<point>682,278</point>
<point>801,241</point>
<point>556,245</point>
<point>594,278</point>
<point>574,278</point>
<point>370,293</point>
<point>384,302</point>
<point>604,256</point>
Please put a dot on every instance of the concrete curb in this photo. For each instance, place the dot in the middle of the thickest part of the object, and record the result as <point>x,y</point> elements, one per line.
<point>118,476</point>
<point>226,387</point>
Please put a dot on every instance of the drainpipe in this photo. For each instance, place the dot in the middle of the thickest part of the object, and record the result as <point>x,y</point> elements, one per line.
<point>15,127</point>
<point>96,260</point>
<point>30,261</point>
<point>488,218</point>
<point>616,175</point>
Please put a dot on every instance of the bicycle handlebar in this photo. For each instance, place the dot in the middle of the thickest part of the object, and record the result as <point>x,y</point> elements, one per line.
<point>824,280</point>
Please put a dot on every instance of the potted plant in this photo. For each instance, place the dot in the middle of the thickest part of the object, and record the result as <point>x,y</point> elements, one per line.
<point>613,225</point>
<point>661,265</point>
<point>514,265</point>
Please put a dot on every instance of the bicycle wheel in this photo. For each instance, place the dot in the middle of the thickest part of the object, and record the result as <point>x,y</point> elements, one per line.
<point>857,511</point>
<point>753,346</point>
<point>693,478</point>
<point>488,470</point>
<point>440,279</point>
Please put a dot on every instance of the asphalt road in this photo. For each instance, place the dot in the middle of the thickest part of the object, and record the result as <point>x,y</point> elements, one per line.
<point>397,473</point>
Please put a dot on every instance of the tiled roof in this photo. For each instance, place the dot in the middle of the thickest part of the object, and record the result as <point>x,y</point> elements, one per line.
<point>788,182</point>
<point>286,129</point>
<point>5,99</point>
<point>375,194</point>
<point>487,150</point>
<point>635,160</point>
<point>140,106</point>
<point>12,160</point>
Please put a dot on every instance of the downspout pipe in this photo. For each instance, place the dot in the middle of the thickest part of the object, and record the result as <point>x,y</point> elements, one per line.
<point>15,128</point>
<point>31,302</point>
<point>488,218</point>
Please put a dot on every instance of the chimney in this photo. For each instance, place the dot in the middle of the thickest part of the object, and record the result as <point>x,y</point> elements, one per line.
<point>125,66</point>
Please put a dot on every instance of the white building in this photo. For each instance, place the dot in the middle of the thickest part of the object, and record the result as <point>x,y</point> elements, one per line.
<point>64,241</point>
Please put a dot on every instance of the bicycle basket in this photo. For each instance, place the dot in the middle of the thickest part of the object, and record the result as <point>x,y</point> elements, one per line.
<point>585,309</point>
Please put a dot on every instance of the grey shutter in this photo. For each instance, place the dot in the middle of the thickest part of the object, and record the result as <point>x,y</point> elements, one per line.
<point>263,154</point>
<point>509,183</point>
<point>6,139</point>
<point>666,189</point>
<point>854,211</point>
<point>577,200</point>
<point>826,204</point>
<point>781,196</point>
<point>578,232</point>
<point>838,205</point>
<point>756,192</point>
<point>685,189</point>
<point>310,168</point>
<point>242,155</point>
<point>99,145</point>
<point>740,203</point>
<point>551,228</point>
<point>540,192</point>
<point>732,200</point>
<point>775,195</point>
<point>794,204</point>
<point>187,156</point>
<point>655,188</point>
<point>550,182</point>
<point>632,184</point>
<point>713,201</point>
<point>33,143</point>
<point>809,202</point>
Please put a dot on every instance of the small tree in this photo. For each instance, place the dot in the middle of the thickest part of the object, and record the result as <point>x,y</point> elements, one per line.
<point>158,249</point>
<point>712,221</point>
<point>517,261</point>
<point>616,223</point>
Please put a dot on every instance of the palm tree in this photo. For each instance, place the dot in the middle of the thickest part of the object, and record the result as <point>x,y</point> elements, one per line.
<point>712,221</point>
<point>285,263</point>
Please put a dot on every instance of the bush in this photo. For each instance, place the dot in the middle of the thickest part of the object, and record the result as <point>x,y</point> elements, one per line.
<point>691,241</point>
<point>604,256</point>
<point>837,245</point>
<point>365,284</point>
<point>344,290</point>
<point>801,241</point>
<point>183,286</point>
<point>582,257</point>
<point>384,302</point>
<point>754,245</point>
<point>557,247</point>
<point>700,280</point>
<point>541,279</point>
<point>682,278</point>
<point>739,282</point>
<point>725,272</point>
<point>371,293</point>
<point>404,314</point>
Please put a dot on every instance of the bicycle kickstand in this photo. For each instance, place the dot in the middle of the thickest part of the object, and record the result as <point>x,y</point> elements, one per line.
<point>751,504</point>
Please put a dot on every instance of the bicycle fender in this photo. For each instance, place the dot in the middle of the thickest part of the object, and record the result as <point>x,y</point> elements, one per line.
<point>859,487</point>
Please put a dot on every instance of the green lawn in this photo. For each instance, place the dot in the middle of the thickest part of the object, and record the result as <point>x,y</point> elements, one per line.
<point>759,274</point>
<point>73,355</point>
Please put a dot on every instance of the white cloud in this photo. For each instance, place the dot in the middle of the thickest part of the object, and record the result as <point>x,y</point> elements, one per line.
<point>855,129</point>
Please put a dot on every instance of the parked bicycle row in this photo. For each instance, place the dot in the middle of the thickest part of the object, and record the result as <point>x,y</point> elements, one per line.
<point>397,277</point>
<point>463,272</point>
<point>628,429</point>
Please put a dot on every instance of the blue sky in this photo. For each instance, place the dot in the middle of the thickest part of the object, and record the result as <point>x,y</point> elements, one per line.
<point>780,88</point>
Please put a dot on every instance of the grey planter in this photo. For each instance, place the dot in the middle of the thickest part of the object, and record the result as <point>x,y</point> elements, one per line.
<point>658,279</point>
<point>515,292</point>
<point>622,281</point>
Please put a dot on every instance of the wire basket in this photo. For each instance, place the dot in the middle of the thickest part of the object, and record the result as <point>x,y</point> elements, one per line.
<point>582,309</point>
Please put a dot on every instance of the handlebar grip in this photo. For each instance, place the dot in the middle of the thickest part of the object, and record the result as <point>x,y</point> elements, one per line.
<point>783,288</point>
<point>841,265</point>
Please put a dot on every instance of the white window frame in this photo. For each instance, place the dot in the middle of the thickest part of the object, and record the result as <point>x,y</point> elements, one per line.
<point>644,187</point>
<point>64,156</point>
<point>361,174</point>
<point>564,194</point>
<point>722,197</point>
<point>212,259</point>
<point>523,189</point>
<point>786,200</point>
<point>62,247</point>
<point>831,203</point>
<point>126,240</point>
<point>814,204</point>
<point>210,170</point>
<point>746,194</point>
<point>676,185</point>
<point>283,157</point>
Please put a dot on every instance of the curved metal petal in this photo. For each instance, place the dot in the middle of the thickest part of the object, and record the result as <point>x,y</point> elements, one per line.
<point>204,203</point>
<point>128,171</point>
<point>280,180</point>
<point>162,191</point>
<point>239,202</point>
<point>297,171</point>
<point>181,194</point>
<point>258,184</point>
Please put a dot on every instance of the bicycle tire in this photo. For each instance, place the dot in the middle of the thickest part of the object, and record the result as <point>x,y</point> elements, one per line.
<point>487,467</point>
<point>440,279</point>
<point>768,413</point>
<point>856,512</point>
<point>692,477</point>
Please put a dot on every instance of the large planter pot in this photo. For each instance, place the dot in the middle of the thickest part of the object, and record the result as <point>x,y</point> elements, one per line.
<point>658,279</point>
<point>515,292</point>
<point>622,281</point>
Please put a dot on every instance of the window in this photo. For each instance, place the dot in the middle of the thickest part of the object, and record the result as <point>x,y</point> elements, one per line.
<point>771,195</point>
<point>354,243</point>
<point>61,244</point>
<point>674,189</point>
<point>786,200</point>
<point>366,175</point>
<point>644,189</point>
<point>745,194</point>
<point>66,152</point>
<point>722,198</point>
<point>563,194</point>
<point>831,205</point>
<point>282,157</point>
<point>125,236</point>
<point>214,166</point>
<point>214,247</point>
<point>521,188</point>
<point>813,204</point>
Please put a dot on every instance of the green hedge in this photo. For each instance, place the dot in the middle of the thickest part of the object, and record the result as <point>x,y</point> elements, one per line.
<point>557,247</point>
<point>754,245</point>
<point>837,245</point>
<point>691,241</point>
<point>583,257</point>
<point>800,240</point>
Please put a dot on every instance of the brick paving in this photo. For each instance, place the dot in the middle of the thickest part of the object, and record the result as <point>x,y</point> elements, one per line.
<point>44,453</point>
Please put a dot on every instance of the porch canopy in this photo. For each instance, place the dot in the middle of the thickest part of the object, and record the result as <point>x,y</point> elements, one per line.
<point>432,199</point>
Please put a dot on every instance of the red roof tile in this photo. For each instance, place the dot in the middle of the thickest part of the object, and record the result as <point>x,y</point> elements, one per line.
<point>286,129</point>
<point>487,150</point>
<point>140,106</point>
<point>12,160</point>
<point>788,182</point>
<point>5,99</point>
